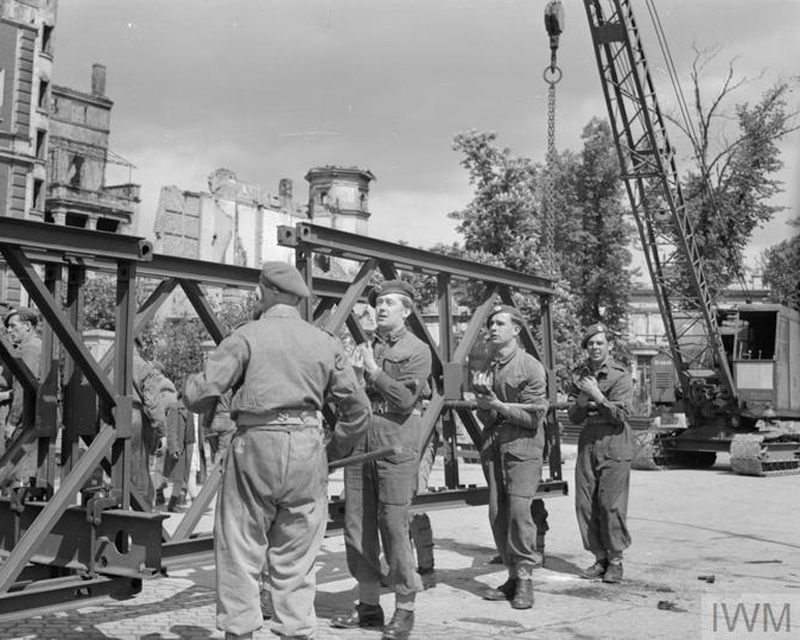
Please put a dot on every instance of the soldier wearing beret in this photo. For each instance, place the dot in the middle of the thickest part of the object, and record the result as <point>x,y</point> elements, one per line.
<point>21,325</point>
<point>600,399</point>
<point>378,493</point>
<point>512,404</point>
<point>272,503</point>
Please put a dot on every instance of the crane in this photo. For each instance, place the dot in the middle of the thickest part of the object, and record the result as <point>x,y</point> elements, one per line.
<point>719,417</point>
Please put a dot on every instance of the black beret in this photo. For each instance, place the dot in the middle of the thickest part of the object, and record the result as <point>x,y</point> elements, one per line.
<point>283,276</point>
<point>25,314</point>
<point>516,316</point>
<point>390,286</point>
<point>592,330</point>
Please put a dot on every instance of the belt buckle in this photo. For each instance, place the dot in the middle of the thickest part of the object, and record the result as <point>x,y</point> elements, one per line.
<point>283,416</point>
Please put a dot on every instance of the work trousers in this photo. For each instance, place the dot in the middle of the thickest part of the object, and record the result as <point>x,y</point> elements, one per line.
<point>271,507</point>
<point>513,477</point>
<point>377,501</point>
<point>602,479</point>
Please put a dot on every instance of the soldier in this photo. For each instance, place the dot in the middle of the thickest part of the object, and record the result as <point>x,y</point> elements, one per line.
<point>272,503</point>
<point>601,394</point>
<point>21,324</point>
<point>148,426</point>
<point>378,494</point>
<point>512,403</point>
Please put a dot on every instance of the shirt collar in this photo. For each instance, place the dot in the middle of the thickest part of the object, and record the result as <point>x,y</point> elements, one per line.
<point>501,361</point>
<point>603,365</point>
<point>392,337</point>
<point>281,311</point>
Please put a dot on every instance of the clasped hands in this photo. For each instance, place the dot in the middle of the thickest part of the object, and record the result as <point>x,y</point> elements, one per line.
<point>484,395</point>
<point>589,391</point>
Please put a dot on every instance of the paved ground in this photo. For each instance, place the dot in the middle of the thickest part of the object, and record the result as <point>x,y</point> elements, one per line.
<point>688,523</point>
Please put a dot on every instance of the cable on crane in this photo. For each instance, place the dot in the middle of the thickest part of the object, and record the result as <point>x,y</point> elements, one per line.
<point>554,24</point>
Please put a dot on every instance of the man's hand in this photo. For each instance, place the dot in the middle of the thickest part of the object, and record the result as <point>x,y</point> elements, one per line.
<point>364,352</point>
<point>161,446</point>
<point>588,386</point>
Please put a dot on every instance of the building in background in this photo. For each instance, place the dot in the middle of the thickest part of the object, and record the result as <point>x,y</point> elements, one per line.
<point>338,197</point>
<point>26,65</point>
<point>236,222</point>
<point>78,159</point>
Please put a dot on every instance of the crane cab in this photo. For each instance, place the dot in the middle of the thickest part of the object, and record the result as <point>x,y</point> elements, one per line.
<point>763,346</point>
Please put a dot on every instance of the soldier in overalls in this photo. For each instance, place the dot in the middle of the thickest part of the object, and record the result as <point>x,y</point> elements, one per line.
<point>512,403</point>
<point>272,503</point>
<point>378,493</point>
<point>601,395</point>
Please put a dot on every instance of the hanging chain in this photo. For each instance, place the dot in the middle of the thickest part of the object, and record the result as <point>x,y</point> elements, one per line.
<point>554,23</point>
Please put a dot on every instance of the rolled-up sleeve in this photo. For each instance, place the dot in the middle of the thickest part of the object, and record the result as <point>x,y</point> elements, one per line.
<point>224,367</point>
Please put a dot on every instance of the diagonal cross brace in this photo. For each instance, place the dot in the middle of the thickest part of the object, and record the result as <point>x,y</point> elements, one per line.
<point>58,320</point>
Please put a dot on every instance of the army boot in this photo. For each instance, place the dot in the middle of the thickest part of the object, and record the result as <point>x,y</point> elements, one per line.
<point>523,595</point>
<point>399,628</point>
<point>364,615</point>
<point>505,591</point>
<point>597,570</point>
<point>613,573</point>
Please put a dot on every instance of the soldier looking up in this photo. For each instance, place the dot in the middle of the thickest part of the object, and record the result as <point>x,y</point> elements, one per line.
<point>512,403</point>
<point>378,493</point>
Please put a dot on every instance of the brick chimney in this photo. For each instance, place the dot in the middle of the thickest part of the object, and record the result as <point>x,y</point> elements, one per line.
<point>98,80</point>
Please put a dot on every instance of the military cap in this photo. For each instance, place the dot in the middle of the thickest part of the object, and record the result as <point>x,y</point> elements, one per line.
<point>516,316</point>
<point>283,276</point>
<point>25,314</point>
<point>593,330</point>
<point>391,286</point>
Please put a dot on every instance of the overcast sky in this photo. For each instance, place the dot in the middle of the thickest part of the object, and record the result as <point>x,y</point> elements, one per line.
<point>271,88</point>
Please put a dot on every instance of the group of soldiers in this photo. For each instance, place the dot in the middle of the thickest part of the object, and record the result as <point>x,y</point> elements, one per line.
<point>262,392</point>
<point>279,371</point>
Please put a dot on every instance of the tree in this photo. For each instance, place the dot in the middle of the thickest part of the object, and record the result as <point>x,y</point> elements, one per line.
<point>781,264</point>
<point>594,232</point>
<point>502,225</point>
<point>730,191</point>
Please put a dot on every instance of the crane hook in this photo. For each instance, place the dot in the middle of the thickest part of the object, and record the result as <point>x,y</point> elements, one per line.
<point>554,24</point>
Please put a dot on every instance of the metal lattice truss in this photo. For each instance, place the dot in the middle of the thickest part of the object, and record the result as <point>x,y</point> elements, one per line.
<point>62,537</point>
<point>647,161</point>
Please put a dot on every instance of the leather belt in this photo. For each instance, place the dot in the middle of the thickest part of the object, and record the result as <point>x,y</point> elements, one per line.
<point>384,409</point>
<point>279,418</point>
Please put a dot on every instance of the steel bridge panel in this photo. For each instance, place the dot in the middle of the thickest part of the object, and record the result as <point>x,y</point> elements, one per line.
<point>69,542</point>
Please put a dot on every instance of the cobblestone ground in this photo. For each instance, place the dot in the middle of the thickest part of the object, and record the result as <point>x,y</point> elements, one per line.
<point>684,524</point>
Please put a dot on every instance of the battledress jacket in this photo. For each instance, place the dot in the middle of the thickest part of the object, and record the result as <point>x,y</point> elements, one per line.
<point>614,381</point>
<point>519,379</point>
<point>281,362</point>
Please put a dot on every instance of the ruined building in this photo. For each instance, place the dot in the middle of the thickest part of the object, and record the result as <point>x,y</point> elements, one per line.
<point>236,222</point>
<point>53,140</point>
<point>26,64</point>
<point>79,154</point>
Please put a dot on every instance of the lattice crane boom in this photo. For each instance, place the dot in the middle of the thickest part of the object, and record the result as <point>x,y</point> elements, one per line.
<point>647,161</point>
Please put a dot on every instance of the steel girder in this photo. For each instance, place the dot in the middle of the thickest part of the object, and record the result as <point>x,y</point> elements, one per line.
<point>38,527</point>
<point>448,360</point>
